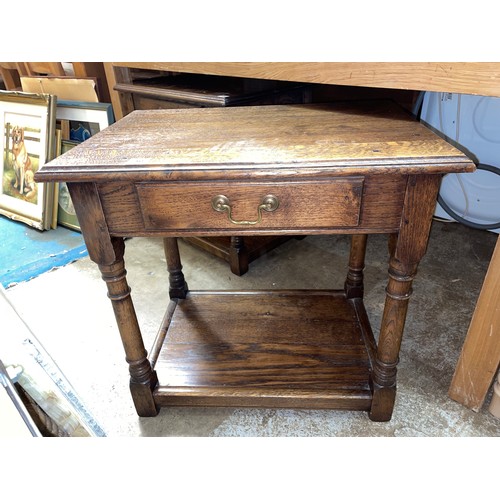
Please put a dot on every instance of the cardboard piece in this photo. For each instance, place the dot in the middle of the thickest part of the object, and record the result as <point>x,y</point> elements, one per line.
<point>65,88</point>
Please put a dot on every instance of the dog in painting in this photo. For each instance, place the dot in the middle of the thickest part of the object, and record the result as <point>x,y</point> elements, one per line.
<point>22,162</point>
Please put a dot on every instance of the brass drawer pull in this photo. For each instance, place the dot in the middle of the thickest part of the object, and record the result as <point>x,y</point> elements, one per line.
<point>221,203</point>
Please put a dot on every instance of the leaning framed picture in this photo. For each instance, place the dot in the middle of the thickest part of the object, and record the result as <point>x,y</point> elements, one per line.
<point>85,119</point>
<point>66,215</point>
<point>28,141</point>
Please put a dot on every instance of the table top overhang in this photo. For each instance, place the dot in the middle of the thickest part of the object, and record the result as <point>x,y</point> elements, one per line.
<point>347,138</point>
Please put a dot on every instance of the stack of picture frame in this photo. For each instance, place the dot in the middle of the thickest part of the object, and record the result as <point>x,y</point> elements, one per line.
<point>36,129</point>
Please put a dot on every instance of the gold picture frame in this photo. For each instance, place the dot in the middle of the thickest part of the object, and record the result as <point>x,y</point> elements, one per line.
<point>28,142</point>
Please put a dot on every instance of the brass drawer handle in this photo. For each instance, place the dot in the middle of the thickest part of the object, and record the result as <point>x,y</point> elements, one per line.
<point>221,203</point>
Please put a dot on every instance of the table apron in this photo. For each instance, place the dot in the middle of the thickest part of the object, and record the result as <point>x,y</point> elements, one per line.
<point>371,204</point>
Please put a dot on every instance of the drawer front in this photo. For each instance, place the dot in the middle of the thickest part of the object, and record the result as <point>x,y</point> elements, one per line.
<point>267,205</point>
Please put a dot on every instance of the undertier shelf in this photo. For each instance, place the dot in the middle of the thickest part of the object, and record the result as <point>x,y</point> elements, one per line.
<point>288,349</point>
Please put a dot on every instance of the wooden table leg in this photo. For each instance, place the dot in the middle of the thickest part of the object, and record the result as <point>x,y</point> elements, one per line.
<point>107,252</point>
<point>408,250</point>
<point>238,256</point>
<point>480,354</point>
<point>178,286</point>
<point>354,282</point>
<point>391,330</point>
<point>142,378</point>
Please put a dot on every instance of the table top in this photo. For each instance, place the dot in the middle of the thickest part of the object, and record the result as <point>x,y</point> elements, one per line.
<point>351,137</point>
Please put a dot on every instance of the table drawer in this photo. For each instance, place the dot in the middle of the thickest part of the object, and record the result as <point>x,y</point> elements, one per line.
<point>267,205</point>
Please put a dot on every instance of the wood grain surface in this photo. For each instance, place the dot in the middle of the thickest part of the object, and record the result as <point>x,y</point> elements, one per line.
<point>480,356</point>
<point>382,200</point>
<point>362,134</point>
<point>261,341</point>
<point>481,78</point>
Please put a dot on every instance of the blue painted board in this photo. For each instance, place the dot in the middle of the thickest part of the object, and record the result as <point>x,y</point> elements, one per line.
<point>26,252</point>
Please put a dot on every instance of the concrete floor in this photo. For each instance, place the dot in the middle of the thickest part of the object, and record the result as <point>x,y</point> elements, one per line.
<point>71,316</point>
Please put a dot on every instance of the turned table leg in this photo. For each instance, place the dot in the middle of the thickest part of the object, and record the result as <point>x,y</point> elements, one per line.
<point>107,252</point>
<point>383,380</point>
<point>238,256</point>
<point>142,378</point>
<point>354,282</point>
<point>407,249</point>
<point>178,286</point>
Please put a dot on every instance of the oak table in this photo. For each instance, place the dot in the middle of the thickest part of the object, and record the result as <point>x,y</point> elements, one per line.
<point>345,168</point>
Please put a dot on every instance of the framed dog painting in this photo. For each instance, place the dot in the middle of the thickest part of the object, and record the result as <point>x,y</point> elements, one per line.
<point>28,141</point>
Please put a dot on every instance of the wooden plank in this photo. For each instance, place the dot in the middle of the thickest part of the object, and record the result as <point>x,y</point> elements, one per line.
<point>481,78</point>
<point>480,354</point>
<point>96,70</point>
<point>268,317</point>
<point>122,103</point>
<point>331,399</point>
<point>264,365</point>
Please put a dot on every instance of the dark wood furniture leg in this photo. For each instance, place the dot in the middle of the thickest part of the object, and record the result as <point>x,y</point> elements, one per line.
<point>354,282</point>
<point>142,378</point>
<point>408,250</point>
<point>238,256</point>
<point>107,252</point>
<point>178,286</point>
